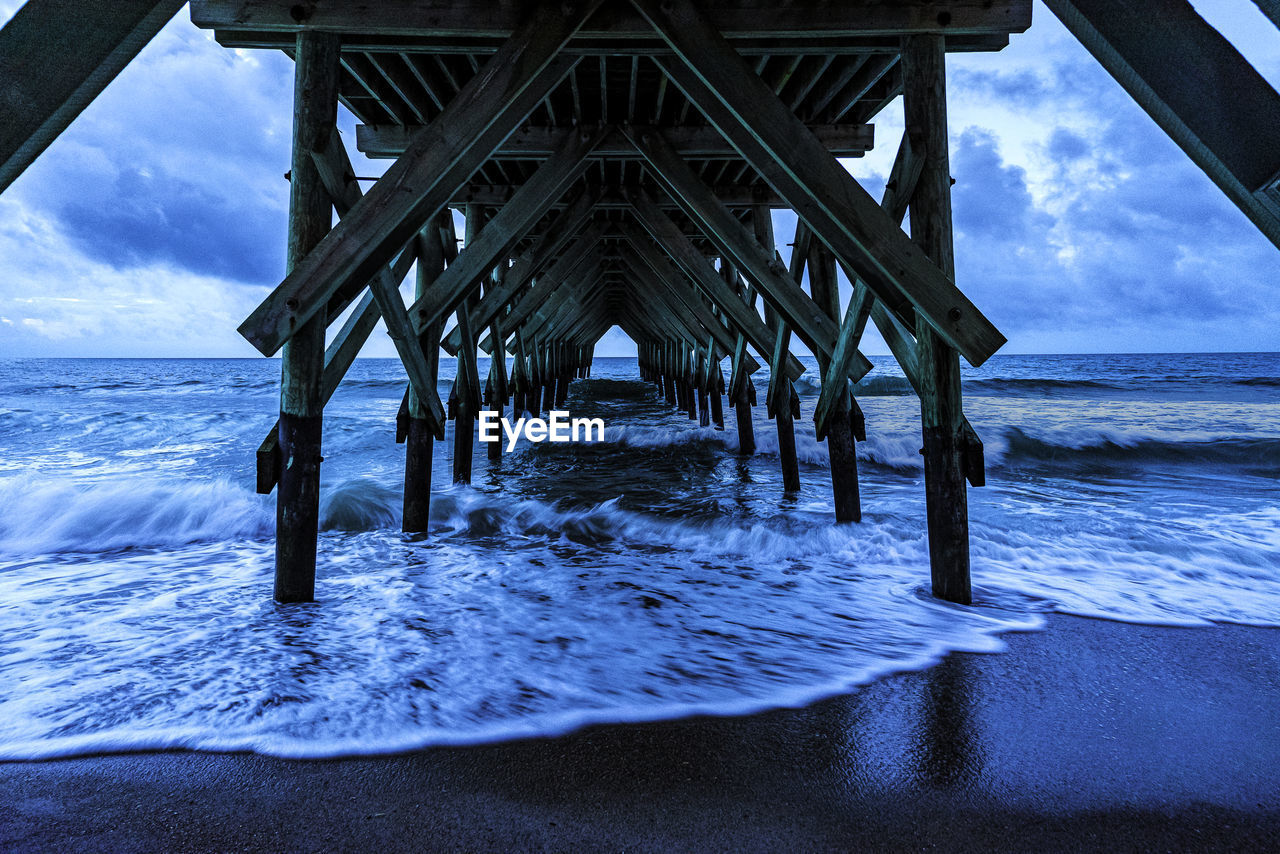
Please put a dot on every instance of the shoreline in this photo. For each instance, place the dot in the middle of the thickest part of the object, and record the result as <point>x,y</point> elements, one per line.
<point>1088,734</point>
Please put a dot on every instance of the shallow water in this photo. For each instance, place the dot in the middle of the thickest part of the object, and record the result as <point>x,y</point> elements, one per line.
<point>655,574</point>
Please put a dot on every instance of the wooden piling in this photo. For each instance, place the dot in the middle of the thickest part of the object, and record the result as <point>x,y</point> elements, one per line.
<point>420,440</point>
<point>840,441</point>
<point>301,400</point>
<point>783,417</point>
<point>941,412</point>
<point>715,388</point>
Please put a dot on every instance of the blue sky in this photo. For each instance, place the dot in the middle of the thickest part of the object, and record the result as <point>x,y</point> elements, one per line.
<point>157,222</point>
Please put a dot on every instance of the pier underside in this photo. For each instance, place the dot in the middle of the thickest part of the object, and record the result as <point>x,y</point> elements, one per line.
<point>617,163</point>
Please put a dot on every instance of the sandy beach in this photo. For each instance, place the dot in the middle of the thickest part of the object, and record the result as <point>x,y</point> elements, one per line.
<point>1091,735</point>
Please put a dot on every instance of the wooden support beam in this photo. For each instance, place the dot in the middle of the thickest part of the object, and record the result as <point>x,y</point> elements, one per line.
<point>736,196</point>
<point>1212,102</point>
<point>421,435</point>
<point>500,234</point>
<point>697,142</point>
<point>770,137</point>
<point>840,435</point>
<point>419,184</point>
<point>544,250</point>
<point>663,232</point>
<point>724,230</point>
<point>339,355</point>
<point>783,415</point>
<point>794,20</point>
<point>688,302</point>
<point>527,311</point>
<point>941,410</point>
<point>899,189</point>
<point>302,365</point>
<point>336,173</point>
<point>1270,8</point>
<point>56,56</point>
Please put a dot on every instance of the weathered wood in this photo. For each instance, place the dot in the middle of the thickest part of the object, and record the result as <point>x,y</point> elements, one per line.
<point>841,449</point>
<point>822,192</point>
<point>1213,103</point>
<point>500,234</point>
<point>734,196</point>
<point>56,56</point>
<point>439,19</point>
<point>419,184</point>
<point>1270,8</point>
<point>897,195</point>
<point>695,142</point>
<point>667,235</point>
<point>783,421</point>
<point>302,364</point>
<point>421,435</point>
<point>543,252</point>
<point>941,411</point>
<point>765,269</point>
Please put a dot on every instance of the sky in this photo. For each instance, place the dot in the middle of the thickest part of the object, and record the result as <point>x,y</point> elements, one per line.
<point>157,222</point>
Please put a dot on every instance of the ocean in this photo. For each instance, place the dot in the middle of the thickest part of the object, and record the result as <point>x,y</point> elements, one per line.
<point>657,574</point>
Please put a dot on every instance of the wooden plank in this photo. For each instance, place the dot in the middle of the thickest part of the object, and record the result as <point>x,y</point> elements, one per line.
<point>506,229</point>
<point>435,19</point>
<point>1213,104</point>
<point>56,56</point>
<point>768,273</point>
<point>696,142</point>
<point>417,186</point>
<point>899,189</point>
<point>820,190</point>
<point>640,46</point>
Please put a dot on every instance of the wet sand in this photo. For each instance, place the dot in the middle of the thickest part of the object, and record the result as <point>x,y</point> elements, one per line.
<point>1090,735</point>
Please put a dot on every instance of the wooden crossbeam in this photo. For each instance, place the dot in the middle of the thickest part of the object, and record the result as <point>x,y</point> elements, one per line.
<point>689,301</point>
<point>530,262</point>
<point>500,234</point>
<point>614,198</point>
<point>696,142</point>
<point>1212,102</point>
<point>899,189</point>
<point>1270,8</point>
<point>814,327</point>
<point>579,273</point>
<point>338,177</point>
<point>440,160</point>
<point>660,232</point>
<point>55,58</point>
<point>769,136</point>
<point>581,256</point>
<point>439,19</point>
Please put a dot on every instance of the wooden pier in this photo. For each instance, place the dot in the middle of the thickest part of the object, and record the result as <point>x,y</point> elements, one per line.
<point>617,162</point>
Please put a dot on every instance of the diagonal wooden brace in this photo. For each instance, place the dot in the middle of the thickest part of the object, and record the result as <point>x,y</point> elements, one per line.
<point>437,163</point>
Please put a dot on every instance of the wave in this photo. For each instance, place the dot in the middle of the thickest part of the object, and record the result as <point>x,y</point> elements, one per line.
<point>1266,382</point>
<point>1037,384</point>
<point>1128,449</point>
<point>48,517</point>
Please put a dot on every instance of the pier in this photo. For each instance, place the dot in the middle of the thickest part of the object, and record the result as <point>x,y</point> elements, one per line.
<point>617,164</point>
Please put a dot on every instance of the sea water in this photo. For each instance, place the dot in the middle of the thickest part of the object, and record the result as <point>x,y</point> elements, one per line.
<point>655,574</point>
